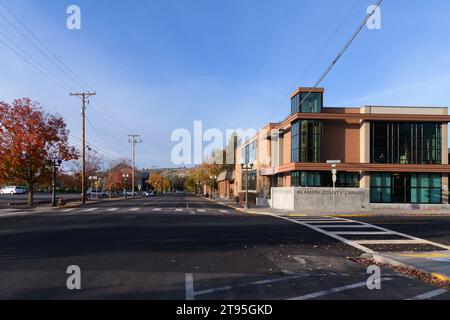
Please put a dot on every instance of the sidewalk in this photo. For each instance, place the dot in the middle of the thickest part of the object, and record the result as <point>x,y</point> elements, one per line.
<point>348,214</point>
<point>436,264</point>
<point>72,204</point>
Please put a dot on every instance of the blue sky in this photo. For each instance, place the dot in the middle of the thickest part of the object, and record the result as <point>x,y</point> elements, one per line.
<point>159,65</point>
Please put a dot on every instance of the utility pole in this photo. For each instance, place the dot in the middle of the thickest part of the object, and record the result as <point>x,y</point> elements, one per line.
<point>133,139</point>
<point>83,96</point>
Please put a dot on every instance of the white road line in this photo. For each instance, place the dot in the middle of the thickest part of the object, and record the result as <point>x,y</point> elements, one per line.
<point>201,210</point>
<point>344,226</point>
<point>325,221</point>
<point>248,284</point>
<point>429,295</point>
<point>335,290</point>
<point>360,244</point>
<point>157,209</point>
<point>17,214</point>
<point>90,210</point>
<point>364,233</point>
<point>223,211</point>
<point>330,234</point>
<point>178,210</point>
<point>135,209</point>
<point>68,210</point>
<point>190,296</point>
<point>389,242</point>
<point>112,209</point>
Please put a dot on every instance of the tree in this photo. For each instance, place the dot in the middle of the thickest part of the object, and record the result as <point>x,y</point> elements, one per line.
<point>29,138</point>
<point>158,182</point>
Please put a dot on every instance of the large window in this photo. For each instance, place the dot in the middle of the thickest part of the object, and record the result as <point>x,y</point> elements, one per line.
<point>324,179</point>
<point>251,180</point>
<point>312,104</point>
<point>406,188</point>
<point>406,143</point>
<point>250,153</point>
<point>306,141</point>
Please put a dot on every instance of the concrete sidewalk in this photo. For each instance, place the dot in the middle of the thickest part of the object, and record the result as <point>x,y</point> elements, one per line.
<point>360,213</point>
<point>436,263</point>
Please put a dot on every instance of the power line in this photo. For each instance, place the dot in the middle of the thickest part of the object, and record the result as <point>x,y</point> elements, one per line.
<point>70,73</point>
<point>37,66</point>
<point>343,50</point>
<point>317,56</point>
<point>101,136</point>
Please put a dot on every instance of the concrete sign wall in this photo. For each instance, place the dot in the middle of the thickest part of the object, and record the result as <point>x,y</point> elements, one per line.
<point>320,199</point>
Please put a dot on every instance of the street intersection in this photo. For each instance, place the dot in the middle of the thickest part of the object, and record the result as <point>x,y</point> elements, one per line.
<point>189,248</point>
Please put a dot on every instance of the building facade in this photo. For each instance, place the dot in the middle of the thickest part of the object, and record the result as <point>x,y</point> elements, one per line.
<point>399,155</point>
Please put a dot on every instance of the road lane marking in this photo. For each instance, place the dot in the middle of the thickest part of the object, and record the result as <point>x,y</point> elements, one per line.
<point>201,210</point>
<point>334,290</point>
<point>223,211</point>
<point>389,242</point>
<point>359,244</point>
<point>364,233</point>
<point>68,210</point>
<point>178,210</point>
<point>429,295</point>
<point>249,284</point>
<point>112,209</point>
<point>90,210</point>
<point>157,209</point>
<point>190,296</point>
<point>135,209</point>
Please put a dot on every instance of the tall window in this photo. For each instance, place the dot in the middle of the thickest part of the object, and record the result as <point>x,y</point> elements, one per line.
<point>251,180</point>
<point>406,143</point>
<point>406,188</point>
<point>295,131</point>
<point>250,153</point>
<point>312,104</point>
<point>306,141</point>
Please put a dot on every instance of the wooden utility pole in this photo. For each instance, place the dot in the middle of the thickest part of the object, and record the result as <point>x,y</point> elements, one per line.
<point>83,96</point>
<point>133,139</point>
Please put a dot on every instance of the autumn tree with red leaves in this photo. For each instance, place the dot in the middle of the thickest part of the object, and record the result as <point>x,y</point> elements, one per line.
<point>29,137</point>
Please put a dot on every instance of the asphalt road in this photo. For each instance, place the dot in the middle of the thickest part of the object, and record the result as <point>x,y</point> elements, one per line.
<point>184,247</point>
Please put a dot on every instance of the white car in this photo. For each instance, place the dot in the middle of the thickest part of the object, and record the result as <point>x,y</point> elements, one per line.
<point>12,190</point>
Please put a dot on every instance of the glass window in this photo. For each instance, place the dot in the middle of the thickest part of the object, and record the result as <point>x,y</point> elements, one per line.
<point>406,188</point>
<point>312,103</point>
<point>252,174</point>
<point>406,143</point>
<point>324,179</point>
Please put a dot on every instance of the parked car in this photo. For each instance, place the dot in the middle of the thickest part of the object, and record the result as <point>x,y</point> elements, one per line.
<point>12,190</point>
<point>130,193</point>
<point>150,194</point>
<point>96,194</point>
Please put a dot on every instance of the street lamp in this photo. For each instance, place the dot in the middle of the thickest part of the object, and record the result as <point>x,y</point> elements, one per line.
<point>54,164</point>
<point>246,167</point>
<point>125,177</point>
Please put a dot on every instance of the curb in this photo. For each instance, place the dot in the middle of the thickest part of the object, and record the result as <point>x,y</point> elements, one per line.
<point>378,258</point>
